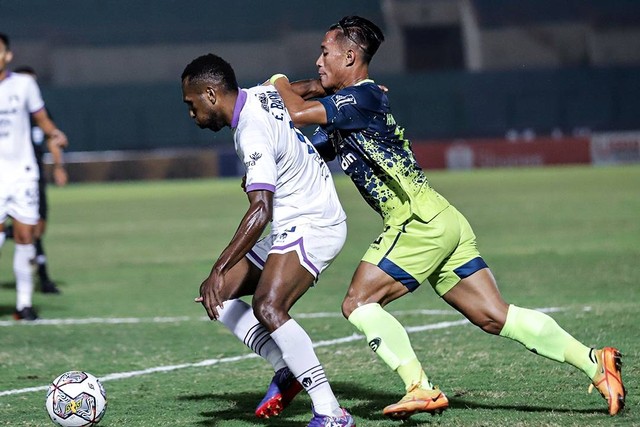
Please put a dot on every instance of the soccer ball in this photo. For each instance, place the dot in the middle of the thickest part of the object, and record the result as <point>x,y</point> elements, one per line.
<point>76,399</point>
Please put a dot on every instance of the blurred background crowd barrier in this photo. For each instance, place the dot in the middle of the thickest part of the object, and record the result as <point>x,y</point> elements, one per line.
<point>476,83</point>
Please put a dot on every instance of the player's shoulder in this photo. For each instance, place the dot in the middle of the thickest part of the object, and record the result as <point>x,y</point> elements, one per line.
<point>367,92</point>
<point>20,78</point>
<point>263,97</point>
<point>20,82</point>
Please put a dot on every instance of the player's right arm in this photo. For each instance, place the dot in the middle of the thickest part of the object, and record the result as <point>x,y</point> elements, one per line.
<point>309,89</point>
<point>253,223</point>
<point>303,112</point>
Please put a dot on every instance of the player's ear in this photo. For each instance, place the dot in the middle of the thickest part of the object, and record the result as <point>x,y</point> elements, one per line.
<point>350,57</point>
<point>211,94</point>
<point>8,56</point>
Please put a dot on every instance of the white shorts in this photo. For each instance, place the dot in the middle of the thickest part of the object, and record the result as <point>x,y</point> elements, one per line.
<point>19,200</point>
<point>316,247</point>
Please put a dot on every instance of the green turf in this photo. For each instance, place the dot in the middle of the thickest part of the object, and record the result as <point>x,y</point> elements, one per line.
<point>554,237</point>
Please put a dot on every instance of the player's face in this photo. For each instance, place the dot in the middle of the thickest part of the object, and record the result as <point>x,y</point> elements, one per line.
<point>201,101</point>
<point>332,61</point>
<point>5,56</point>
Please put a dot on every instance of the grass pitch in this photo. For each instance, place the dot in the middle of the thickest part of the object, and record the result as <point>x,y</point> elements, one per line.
<point>129,259</point>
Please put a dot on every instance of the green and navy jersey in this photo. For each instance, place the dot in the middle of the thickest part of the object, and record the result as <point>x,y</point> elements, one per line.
<point>373,152</point>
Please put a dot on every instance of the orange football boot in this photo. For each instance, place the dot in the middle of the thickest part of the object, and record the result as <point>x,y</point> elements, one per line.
<point>608,378</point>
<point>417,400</point>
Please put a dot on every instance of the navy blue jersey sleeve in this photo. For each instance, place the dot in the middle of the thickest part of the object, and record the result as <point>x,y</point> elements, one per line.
<point>351,108</point>
<point>324,144</point>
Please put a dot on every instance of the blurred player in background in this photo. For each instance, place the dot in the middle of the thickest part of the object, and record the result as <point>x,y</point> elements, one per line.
<point>424,237</point>
<point>20,101</point>
<point>47,286</point>
<point>289,186</point>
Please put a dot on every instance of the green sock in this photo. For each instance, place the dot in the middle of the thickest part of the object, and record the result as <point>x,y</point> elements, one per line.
<point>389,340</point>
<point>542,335</point>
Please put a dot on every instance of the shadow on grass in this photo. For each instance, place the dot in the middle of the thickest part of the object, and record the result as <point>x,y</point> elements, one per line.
<point>8,285</point>
<point>7,310</point>
<point>240,407</point>
<point>468,404</point>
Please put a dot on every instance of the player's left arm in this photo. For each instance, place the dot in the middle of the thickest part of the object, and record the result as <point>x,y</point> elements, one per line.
<point>51,131</point>
<point>303,112</point>
<point>56,142</point>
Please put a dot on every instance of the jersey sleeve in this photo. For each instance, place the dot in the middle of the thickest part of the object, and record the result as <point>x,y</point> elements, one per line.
<point>256,148</point>
<point>350,108</point>
<point>35,102</point>
<point>324,144</point>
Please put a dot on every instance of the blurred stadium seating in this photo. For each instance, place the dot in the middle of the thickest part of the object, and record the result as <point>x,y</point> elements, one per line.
<point>456,68</point>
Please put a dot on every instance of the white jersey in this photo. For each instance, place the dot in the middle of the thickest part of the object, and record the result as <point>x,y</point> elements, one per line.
<point>19,98</point>
<point>279,158</point>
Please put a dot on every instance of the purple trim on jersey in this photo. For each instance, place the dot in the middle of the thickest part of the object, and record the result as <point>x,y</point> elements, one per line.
<point>303,253</point>
<point>240,101</point>
<point>261,186</point>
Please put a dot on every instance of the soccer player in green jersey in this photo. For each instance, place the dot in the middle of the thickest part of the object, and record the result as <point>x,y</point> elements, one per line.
<point>424,237</point>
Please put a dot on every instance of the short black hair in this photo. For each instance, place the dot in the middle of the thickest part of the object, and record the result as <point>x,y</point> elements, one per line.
<point>5,39</point>
<point>25,69</point>
<point>213,69</point>
<point>364,33</point>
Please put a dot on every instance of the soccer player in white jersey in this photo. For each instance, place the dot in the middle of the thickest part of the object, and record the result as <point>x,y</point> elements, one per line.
<point>20,100</point>
<point>289,185</point>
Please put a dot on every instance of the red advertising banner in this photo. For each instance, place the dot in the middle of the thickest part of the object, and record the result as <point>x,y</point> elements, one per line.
<point>487,153</point>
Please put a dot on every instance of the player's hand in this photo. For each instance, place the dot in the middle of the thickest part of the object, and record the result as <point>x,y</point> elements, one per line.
<point>60,176</point>
<point>58,138</point>
<point>209,297</point>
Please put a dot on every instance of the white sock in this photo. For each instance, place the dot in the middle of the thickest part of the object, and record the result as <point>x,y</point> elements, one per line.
<point>23,254</point>
<point>238,317</point>
<point>298,352</point>
<point>3,236</point>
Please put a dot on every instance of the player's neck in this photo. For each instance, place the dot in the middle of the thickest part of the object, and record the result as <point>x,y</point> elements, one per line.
<point>3,74</point>
<point>356,76</point>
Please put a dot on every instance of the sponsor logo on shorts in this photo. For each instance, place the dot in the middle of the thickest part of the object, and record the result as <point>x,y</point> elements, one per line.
<point>374,344</point>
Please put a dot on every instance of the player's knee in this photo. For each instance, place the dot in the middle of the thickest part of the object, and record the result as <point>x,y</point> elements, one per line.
<point>491,322</point>
<point>347,307</point>
<point>22,237</point>
<point>269,312</point>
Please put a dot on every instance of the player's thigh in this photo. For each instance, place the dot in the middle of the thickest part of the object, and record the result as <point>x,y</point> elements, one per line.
<point>283,281</point>
<point>370,284</point>
<point>241,280</point>
<point>412,252</point>
<point>22,204</point>
<point>295,260</point>
<point>463,261</point>
<point>22,233</point>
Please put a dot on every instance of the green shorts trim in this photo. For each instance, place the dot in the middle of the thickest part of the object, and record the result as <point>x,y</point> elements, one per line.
<point>442,250</point>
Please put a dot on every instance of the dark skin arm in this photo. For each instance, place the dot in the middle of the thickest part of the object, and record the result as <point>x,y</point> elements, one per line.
<point>249,231</point>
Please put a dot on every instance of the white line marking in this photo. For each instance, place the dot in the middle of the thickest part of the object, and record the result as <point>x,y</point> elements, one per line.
<point>211,362</point>
<point>178,319</point>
